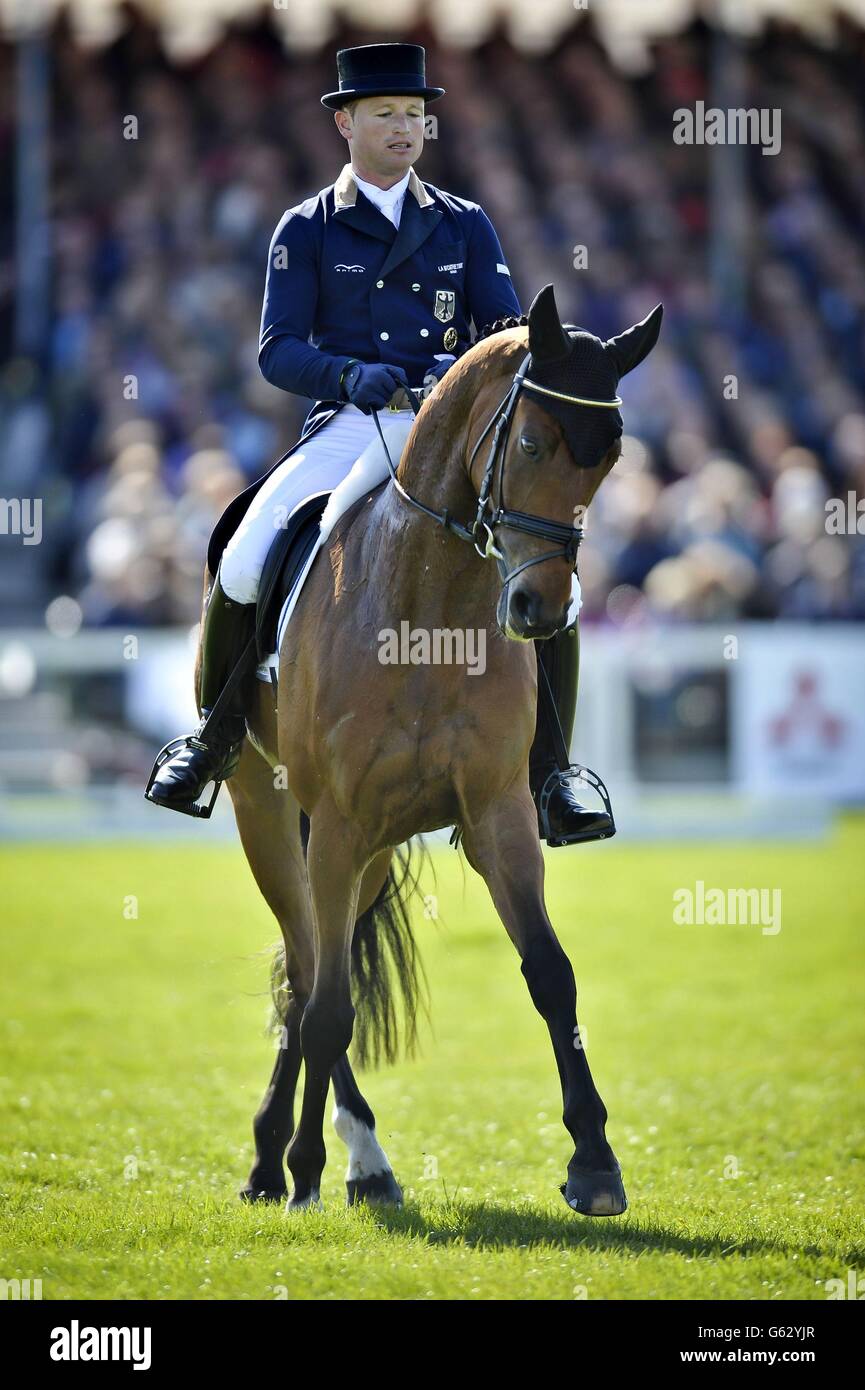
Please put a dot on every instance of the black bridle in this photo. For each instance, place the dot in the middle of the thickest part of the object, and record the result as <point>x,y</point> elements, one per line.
<point>482,532</point>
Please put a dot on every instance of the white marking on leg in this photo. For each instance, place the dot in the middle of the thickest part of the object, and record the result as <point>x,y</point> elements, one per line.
<point>366,1157</point>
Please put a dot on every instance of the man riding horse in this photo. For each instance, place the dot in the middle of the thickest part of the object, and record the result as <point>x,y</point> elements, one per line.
<point>372,285</point>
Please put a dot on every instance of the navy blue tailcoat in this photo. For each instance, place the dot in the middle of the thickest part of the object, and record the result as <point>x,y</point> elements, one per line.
<point>343,282</point>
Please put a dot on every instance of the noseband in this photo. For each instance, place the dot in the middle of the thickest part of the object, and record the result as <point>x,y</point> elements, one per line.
<point>482,532</point>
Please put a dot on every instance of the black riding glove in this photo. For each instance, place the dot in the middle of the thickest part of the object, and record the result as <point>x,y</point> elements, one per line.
<point>372,386</point>
<point>443,362</point>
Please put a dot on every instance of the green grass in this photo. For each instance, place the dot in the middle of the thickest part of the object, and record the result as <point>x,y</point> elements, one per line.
<point>133,1059</point>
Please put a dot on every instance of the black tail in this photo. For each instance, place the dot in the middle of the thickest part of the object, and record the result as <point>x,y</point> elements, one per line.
<point>386,967</point>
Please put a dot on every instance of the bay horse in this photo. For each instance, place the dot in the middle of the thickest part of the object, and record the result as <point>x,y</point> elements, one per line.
<point>360,755</point>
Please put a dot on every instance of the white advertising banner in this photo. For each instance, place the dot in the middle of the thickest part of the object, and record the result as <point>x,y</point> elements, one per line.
<point>798,711</point>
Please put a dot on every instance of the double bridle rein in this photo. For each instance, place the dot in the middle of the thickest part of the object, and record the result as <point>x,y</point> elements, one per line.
<point>481,533</point>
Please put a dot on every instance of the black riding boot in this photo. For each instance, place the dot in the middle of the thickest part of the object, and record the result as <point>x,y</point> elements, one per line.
<point>569,821</point>
<point>186,765</point>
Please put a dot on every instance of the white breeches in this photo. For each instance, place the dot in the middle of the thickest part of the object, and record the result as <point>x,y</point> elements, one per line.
<point>349,443</point>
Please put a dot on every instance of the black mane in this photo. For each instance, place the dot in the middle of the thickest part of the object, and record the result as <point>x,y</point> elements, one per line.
<point>499,326</point>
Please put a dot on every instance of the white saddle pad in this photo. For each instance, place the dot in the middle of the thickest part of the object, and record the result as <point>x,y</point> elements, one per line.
<point>368,471</point>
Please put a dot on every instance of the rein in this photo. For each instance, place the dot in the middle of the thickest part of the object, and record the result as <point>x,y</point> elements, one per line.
<point>488,516</point>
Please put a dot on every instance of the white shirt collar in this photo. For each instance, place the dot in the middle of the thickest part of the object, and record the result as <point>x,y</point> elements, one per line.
<point>388,200</point>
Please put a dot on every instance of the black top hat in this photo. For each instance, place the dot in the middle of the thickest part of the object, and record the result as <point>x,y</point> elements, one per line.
<point>381,69</point>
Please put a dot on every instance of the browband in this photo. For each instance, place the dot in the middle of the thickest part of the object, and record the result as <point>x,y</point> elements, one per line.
<point>574,400</point>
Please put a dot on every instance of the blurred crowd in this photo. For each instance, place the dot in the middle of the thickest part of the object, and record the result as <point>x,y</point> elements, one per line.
<point>149,413</point>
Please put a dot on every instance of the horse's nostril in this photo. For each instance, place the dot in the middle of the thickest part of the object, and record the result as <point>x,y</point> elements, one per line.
<point>523,606</point>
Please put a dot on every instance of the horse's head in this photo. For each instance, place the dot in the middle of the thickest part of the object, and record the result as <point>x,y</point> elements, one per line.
<point>557,455</point>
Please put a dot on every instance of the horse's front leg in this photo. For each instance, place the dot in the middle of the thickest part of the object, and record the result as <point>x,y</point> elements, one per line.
<point>273,1125</point>
<point>503,847</point>
<point>335,864</point>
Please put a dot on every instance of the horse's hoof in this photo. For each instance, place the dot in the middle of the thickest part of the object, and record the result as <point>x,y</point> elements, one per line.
<point>262,1194</point>
<point>311,1202</point>
<point>379,1190</point>
<point>595,1194</point>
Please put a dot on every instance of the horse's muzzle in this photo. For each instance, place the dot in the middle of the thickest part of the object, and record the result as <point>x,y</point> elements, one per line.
<point>525,616</point>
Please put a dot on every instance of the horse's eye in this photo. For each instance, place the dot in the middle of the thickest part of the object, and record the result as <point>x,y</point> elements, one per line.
<point>528,445</point>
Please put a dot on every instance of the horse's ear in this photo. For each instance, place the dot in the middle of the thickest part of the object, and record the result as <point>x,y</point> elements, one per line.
<point>548,341</point>
<point>629,348</point>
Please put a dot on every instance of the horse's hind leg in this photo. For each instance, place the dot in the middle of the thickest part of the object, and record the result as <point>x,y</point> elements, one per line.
<point>503,847</point>
<point>368,1177</point>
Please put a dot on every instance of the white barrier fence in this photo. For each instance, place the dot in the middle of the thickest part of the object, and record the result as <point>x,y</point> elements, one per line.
<point>764,708</point>
<point>696,730</point>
